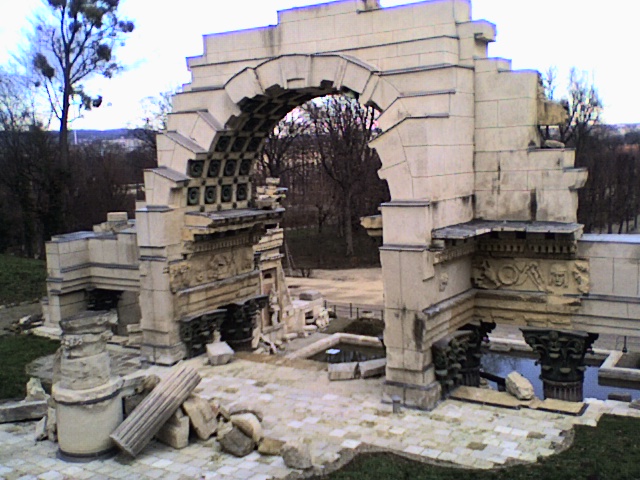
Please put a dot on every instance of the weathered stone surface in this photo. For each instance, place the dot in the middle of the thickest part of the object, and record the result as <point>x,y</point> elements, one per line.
<point>35,390</point>
<point>519,387</point>
<point>202,416</point>
<point>270,446</point>
<point>241,406</point>
<point>175,432</point>
<point>343,371</point>
<point>373,368</point>
<point>553,144</point>
<point>41,430</point>
<point>620,396</point>
<point>138,429</point>
<point>23,410</point>
<point>52,421</point>
<point>131,402</point>
<point>296,455</point>
<point>237,443</point>
<point>219,353</point>
<point>249,424</point>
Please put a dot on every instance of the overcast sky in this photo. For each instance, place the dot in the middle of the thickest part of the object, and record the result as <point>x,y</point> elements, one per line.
<point>600,38</point>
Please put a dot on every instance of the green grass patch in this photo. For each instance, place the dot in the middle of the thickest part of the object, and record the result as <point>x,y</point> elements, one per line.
<point>16,352</point>
<point>21,279</point>
<point>610,451</point>
<point>326,250</point>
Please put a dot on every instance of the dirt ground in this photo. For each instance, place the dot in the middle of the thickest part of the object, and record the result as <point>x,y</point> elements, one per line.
<point>361,286</point>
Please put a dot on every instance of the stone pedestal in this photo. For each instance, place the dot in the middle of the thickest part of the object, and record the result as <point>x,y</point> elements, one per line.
<point>561,358</point>
<point>87,398</point>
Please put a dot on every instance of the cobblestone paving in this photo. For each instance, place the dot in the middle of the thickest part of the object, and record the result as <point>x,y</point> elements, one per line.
<point>300,403</point>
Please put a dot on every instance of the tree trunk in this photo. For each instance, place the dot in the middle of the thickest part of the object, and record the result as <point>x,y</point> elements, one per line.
<point>348,228</point>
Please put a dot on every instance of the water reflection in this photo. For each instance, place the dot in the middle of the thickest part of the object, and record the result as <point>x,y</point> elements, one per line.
<point>343,353</point>
<point>502,364</point>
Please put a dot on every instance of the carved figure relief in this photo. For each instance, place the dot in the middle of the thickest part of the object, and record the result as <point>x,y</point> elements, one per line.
<point>274,307</point>
<point>444,281</point>
<point>569,277</point>
<point>558,276</point>
<point>209,267</point>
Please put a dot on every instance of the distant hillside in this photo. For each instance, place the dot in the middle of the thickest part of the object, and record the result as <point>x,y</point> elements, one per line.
<point>89,136</point>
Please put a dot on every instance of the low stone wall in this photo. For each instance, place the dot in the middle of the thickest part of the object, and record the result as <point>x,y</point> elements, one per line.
<point>333,340</point>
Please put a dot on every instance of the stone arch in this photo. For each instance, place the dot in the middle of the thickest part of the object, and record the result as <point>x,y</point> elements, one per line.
<point>211,139</point>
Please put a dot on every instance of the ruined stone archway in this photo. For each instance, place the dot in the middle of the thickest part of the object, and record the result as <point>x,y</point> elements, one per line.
<point>447,109</point>
<point>460,151</point>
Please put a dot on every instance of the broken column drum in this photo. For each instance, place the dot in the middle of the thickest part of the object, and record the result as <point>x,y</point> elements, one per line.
<point>561,360</point>
<point>87,398</point>
<point>155,410</point>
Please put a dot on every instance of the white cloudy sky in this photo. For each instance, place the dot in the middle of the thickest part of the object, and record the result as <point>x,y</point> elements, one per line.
<point>598,37</point>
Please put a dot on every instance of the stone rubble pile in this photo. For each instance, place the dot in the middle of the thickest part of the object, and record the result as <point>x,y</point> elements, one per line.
<point>26,323</point>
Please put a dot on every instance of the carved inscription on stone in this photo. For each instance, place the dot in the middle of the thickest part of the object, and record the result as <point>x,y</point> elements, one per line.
<point>569,277</point>
<point>209,267</point>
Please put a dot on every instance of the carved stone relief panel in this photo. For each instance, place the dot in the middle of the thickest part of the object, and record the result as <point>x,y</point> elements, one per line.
<point>207,267</point>
<point>558,277</point>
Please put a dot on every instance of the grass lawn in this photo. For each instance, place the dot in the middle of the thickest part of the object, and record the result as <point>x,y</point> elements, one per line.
<point>21,279</point>
<point>16,352</point>
<point>611,451</point>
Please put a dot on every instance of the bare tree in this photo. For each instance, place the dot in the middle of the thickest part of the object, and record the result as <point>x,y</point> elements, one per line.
<point>286,146</point>
<point>156,111</point>
<point>75,42</point>
<point>342,129</point>
<point>27,179</point>
<point>582,103</point>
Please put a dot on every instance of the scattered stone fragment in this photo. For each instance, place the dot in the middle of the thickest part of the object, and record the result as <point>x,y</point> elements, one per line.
<point>202,416</point>
<point>35,390</point>
<point>519,387</point>
<point>22,410</point>
<point>296,455</point>
<point>223,429</point>
<point>620,396</point>
<point>52,421</point>
<point>150,382</point>
<point>635,404</point>
<point>239,407</point>
<point>175,432</point>
<point>270,446</point>
<point>343,371</point>
<point>219,353</point>
<point>41,430</point>
<point>249,424</point>
<point>310,328</point>
<point>373,368</point>
<point>237,443</point>
<point>552,144</point>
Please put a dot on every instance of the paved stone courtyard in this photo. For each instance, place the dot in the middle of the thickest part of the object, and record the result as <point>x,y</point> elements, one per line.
<point>298,402</point>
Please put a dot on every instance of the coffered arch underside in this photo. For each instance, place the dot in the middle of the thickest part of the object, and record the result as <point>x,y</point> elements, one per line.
<point>216,133</point>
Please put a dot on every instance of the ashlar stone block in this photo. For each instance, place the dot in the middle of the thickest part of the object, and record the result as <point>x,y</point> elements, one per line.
<point>201,415</point>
